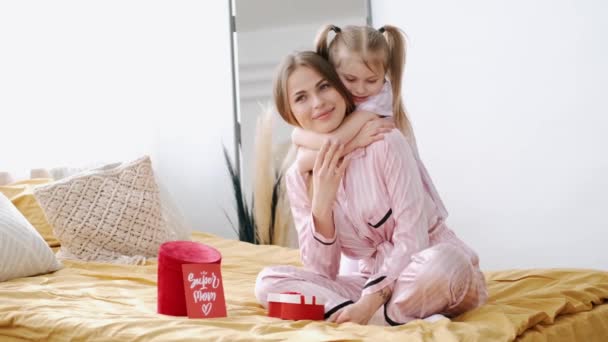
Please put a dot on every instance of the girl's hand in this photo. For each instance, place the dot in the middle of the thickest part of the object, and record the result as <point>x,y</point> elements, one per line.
<point>327,174</point>
<point>372,131</point>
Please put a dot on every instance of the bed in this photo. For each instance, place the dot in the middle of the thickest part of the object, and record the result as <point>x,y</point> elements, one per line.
<point>95,301</point>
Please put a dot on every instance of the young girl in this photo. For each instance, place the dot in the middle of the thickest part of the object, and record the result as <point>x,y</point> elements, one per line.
<point>370,63</point>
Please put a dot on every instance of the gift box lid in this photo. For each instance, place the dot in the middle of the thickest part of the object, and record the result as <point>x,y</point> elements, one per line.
<point>188,252</point>
<point>294,298</point>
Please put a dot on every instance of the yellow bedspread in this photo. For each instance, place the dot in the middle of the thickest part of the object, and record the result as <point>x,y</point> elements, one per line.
<point>90,301</point>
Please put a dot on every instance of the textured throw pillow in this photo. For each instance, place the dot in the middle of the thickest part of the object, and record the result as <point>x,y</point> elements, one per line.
<point>110,214</point>
<point>23,252</point>
<point>22,196</point>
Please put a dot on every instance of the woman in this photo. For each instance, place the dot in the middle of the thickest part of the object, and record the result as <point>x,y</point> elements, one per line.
<point>372,206</point>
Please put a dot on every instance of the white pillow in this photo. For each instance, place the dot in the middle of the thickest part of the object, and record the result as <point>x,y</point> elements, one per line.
<point>176,221</point>
<point>110,214</point>
<point>23,252</point>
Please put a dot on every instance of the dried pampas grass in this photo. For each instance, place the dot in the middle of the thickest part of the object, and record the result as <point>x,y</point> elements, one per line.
<point>271,211</point>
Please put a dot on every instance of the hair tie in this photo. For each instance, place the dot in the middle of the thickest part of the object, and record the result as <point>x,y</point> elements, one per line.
<point>382,29</point>
<point>336,29</point>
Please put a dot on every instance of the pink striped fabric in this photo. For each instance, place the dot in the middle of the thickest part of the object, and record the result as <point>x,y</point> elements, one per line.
<point>382,104</point>
<point>386,217</point>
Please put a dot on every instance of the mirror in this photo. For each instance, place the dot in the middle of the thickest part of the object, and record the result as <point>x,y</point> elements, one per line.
<point>266,31</point>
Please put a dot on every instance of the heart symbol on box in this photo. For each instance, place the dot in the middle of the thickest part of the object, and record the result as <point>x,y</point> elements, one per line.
<point>206,308</point>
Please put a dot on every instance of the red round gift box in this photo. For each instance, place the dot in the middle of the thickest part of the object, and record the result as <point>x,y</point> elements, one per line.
<point>171,256</point>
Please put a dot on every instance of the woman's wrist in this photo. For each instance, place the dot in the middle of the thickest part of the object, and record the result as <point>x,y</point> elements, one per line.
<point>324,223</point>
<point>320,210</point>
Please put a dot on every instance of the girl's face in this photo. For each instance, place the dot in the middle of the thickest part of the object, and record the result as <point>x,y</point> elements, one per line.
<point>314,102</point>
<point>359,79</point>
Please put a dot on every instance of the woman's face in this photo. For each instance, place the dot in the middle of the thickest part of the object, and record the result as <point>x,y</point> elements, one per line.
<point>316,103</point>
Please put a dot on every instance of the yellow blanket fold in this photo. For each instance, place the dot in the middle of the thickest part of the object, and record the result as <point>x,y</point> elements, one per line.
<point>92,301</point>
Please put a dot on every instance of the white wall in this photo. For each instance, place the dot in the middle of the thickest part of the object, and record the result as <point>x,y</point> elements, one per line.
<point>84,81</point>
<point>508,100</point>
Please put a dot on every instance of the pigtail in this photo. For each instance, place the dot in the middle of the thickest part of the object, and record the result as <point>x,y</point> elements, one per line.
<point>396,65</point>
<point>322,41</point>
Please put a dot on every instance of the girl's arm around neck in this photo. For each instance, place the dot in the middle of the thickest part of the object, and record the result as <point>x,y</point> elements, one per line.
<point>342,135</point>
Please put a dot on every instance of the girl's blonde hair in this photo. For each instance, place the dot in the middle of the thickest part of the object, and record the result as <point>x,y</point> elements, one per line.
<point>311,60</point>
<point>384,48</point>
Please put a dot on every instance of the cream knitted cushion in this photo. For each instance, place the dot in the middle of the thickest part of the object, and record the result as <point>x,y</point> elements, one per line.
<point>111,214</point>
<point>23,252</point>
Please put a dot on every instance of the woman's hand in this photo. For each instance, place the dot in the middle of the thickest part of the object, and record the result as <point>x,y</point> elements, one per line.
<point>372,131</point>
<point>327,174</point>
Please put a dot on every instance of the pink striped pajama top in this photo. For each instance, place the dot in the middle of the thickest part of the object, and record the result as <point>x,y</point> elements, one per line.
<point>385,208</point>
<point>382,104</point>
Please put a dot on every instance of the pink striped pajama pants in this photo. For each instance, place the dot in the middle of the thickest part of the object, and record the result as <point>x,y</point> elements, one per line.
<point>444,278</point>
